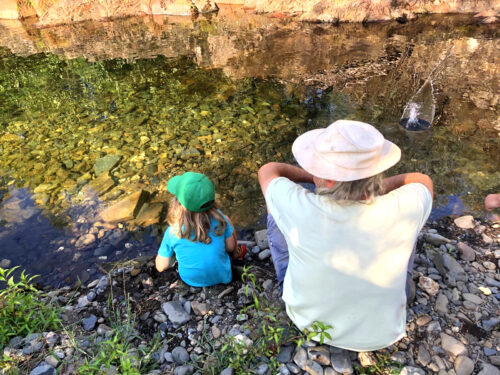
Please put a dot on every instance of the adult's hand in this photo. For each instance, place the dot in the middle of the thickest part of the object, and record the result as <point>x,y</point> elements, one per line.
<point>270,171</point>
<point>492,201</point>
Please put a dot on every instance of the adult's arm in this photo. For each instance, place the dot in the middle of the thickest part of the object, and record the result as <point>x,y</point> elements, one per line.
<point>394,182</point>
<point>270,171</point>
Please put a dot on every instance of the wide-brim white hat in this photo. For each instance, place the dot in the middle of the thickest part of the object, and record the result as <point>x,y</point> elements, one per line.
<point>345,151</point>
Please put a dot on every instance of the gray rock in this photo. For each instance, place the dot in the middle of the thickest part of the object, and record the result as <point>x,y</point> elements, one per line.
<point>441,305</point>
<point>5,263</point>
<point>52,361</point>
<point>341,362</point>
<point>261,239</point>
<point>168,357</point>
<point>472,298</point>
<point>464,365</point>
<point>491,323</point>
<point>103,329</point>
<point>313,368</point>
<point>159,317</point>
<point>89,323</point>
<point>284,370</point>
<point>489,351</point>
<point>227,371</point>
<point>491,282</point>
<point>423,355</point>
<point>264,254</point>
<point>467,253</point>
<point>180,355</point>
<point>261,369</point>
<point>175,312</point>
<point>106,163</point>
<point>410,370</point>
<point>267,285</point>
<point>330,371</point>
<point>320,354</point>
<point>435,239</point>
<point>294,369</point>
<point>285,354</point>
<point>184,370</point>
<point>489,370</point>
<point>300,358</point>
<point>16,342</point>
<point>91,296</point>
<point>43,369</point>
<point>452,346</point>
<point>454,268</point>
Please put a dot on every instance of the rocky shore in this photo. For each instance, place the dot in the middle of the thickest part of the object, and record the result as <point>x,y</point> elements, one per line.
<point>171,328</point>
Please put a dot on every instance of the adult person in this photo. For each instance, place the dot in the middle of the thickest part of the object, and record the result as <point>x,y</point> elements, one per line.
<point>349,243</point>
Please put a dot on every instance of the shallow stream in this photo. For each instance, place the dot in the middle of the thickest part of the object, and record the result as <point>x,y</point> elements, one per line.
<point>220,95</point>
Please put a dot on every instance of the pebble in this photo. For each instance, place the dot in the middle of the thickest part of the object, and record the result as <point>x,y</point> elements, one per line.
<point>285,354</point>
<point>176,312</point>
<point>464,365</point>
<point>216,332</point>
<point>227,371</point>
<point>264,254</point>
<point>428,285</point>
<point>465,222</point>
<point>43,369</point>
<point>423,355</point>
<point>180,355</point>
<point>261,238</point>
<point>472,298</point>
<point>89,323</point>
<point>411,370</point>
<point>341,362</point>
<point>452,346</point>
<point>199,308</point>
<point>489,370</point>
<point>441,305</point>
<point>467,253</point>
<point>184,370</point>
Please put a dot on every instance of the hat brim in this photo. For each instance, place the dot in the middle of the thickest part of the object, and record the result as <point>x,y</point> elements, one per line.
<point>307,157</point>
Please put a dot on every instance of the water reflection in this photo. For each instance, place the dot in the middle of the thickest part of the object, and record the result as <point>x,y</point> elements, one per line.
<point>222,96</point>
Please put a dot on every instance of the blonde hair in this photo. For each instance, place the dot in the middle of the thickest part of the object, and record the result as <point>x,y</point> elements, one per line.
<point>188,224</point>
<point>364,190</point>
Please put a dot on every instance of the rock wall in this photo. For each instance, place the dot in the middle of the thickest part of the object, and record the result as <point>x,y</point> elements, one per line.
<point>50,12</point>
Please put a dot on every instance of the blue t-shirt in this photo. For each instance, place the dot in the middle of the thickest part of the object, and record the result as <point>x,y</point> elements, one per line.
<point>200,264</point>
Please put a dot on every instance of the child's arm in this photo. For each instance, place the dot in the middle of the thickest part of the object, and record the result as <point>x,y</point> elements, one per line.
<point>162,263</point>
<point>231,241</point>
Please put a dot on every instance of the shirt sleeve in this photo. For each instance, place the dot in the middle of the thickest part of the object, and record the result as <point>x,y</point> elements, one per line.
<point>165,249</point>
<point>416,199</point>
<point>281,197</point>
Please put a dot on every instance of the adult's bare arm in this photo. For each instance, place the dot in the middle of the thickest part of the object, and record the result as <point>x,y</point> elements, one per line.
<point>270,171</point>
<point>394,182</point>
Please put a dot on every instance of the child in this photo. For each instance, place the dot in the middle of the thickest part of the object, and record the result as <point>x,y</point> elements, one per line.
<point>199,234</point>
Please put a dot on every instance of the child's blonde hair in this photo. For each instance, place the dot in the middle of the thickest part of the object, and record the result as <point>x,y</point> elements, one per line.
<point>194,226</point>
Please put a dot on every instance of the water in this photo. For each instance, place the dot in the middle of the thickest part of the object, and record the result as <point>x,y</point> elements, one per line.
<point>220,97</point>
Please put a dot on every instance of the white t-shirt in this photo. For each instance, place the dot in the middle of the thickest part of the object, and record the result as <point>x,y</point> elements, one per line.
<point>348,263</point>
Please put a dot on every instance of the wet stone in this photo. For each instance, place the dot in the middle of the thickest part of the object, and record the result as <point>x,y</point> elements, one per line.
<point>106,163</point>
<point>125,209</point>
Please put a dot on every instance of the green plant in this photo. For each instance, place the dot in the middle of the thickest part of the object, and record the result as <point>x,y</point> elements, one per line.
<point>23,309</point>
<point>118,349</point>
<point>270,328</point>
<point>384,366</point>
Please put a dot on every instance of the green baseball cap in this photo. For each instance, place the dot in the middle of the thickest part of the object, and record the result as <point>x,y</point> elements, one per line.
<point>194,191</point>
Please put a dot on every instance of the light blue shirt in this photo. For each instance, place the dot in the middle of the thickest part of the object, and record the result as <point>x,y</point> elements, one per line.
<point>200,264</point>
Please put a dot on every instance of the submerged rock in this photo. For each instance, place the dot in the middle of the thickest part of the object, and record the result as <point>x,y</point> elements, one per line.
<point>106,163</point>
<point>125,209</point>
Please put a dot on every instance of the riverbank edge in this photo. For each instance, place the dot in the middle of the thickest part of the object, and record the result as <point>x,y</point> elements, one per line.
<point>452,325</point>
